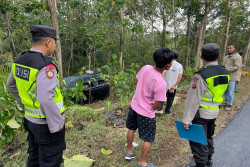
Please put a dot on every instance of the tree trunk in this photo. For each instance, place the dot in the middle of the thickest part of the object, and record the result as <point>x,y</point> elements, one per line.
<point>53,8</point>
<point>12,44</point>
<point>163,31</point>
<point>194,46</point>
<point>227,26</point>
<point>94,57</point>
<point>89,56</point>
<point>1,48</point>
<point>71,22</point>
<point>71,51</point>
<point>137,45</point>
<point>246,52</point>
<point>197,53</point>
<point>202,27</point>
<point>153,36</point>
<point>121,37</point>
<point>163,14</point>
<point>188,39</point>
<point>194,36</point>
<point>203,38</point>
<point>175,30</point>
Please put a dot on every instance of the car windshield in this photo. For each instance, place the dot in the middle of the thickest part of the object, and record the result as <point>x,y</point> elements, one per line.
<point>70,79</point>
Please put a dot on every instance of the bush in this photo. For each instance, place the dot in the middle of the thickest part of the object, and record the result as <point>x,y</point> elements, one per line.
<point>73,95</point>
<point>121,82</point>
<point>11,113</point>
<point>189,72</point>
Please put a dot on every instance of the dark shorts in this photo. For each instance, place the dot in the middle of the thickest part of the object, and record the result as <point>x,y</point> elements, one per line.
<point>146,126</point>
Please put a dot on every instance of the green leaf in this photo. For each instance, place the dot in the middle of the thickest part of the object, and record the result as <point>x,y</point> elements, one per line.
<point>114,56</point>
<point>19,108</point>
<point>13,124</point>
<point>106,152</point>
<point>78,161</point>
<point>2,98</point>
<point>65,157</point>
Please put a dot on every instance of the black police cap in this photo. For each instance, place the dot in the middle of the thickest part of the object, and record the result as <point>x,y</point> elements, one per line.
<point>211,48</point>
<point>43,31</point>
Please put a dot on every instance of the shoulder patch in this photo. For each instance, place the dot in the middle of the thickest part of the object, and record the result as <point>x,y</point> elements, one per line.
<point>49,73</point>
<point>50,66</point>
<point>194,84</point>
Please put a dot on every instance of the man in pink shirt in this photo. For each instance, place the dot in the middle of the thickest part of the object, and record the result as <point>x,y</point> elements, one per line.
<point>150,92</point>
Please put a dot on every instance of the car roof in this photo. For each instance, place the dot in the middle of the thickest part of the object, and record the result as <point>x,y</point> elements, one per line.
<point>85,77</point>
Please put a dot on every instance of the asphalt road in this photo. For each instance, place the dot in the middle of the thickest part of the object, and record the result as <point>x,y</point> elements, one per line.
<point>232,145</point>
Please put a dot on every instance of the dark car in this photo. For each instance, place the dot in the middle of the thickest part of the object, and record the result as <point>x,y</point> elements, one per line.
<point>95,87</point>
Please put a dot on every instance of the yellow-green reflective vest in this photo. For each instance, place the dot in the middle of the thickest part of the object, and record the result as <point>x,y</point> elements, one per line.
<point>25,70</point>
<point>217,79</point>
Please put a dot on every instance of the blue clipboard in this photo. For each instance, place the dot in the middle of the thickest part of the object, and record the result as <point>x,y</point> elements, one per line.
<point>195,133</point>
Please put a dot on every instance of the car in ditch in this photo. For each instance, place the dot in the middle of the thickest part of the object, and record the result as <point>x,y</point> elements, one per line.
<point>95,86</point>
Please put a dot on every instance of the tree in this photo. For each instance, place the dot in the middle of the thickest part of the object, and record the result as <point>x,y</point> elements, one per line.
<point>246,52</point>
<point>164,10</point>
<point>174,17</point>
<point>201,33</point>
<point>150,15</point>
<point>96,33</point>
<point>188,36</point>
<point>53,8</point>
<point>13,46</point>
<point>227,25</point>
<point>121,37</point>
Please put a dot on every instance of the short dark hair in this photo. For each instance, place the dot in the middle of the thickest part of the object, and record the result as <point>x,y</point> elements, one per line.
<point>162,57</point>
<point>230,45</point>
<point>210,51</point>
<point>241,53</point>
<point>176,53</point>
<point>36,39</point>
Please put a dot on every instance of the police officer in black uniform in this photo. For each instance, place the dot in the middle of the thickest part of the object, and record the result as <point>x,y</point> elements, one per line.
<point>34,83</point>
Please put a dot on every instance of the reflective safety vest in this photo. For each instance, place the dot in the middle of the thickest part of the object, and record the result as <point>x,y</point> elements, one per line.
<point>217,79</point>
<point>25,70</point>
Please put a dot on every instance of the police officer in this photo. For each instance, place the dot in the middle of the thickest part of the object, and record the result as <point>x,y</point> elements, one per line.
<point>34,83</point>
<point>203,100</point>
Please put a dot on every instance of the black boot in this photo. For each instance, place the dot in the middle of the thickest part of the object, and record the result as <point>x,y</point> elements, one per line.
<point>195,164</point>
<point>209,163</point>
<point>200,165</point>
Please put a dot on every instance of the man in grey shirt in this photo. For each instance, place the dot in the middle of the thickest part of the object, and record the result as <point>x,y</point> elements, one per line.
<point>33,82</point>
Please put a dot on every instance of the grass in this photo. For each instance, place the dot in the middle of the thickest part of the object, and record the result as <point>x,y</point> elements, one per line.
<point>91,130</point>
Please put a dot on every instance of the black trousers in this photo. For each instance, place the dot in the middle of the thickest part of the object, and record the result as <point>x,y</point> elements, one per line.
<point>170,100</point>
<point>201,151</point>
<point>45,148</point>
